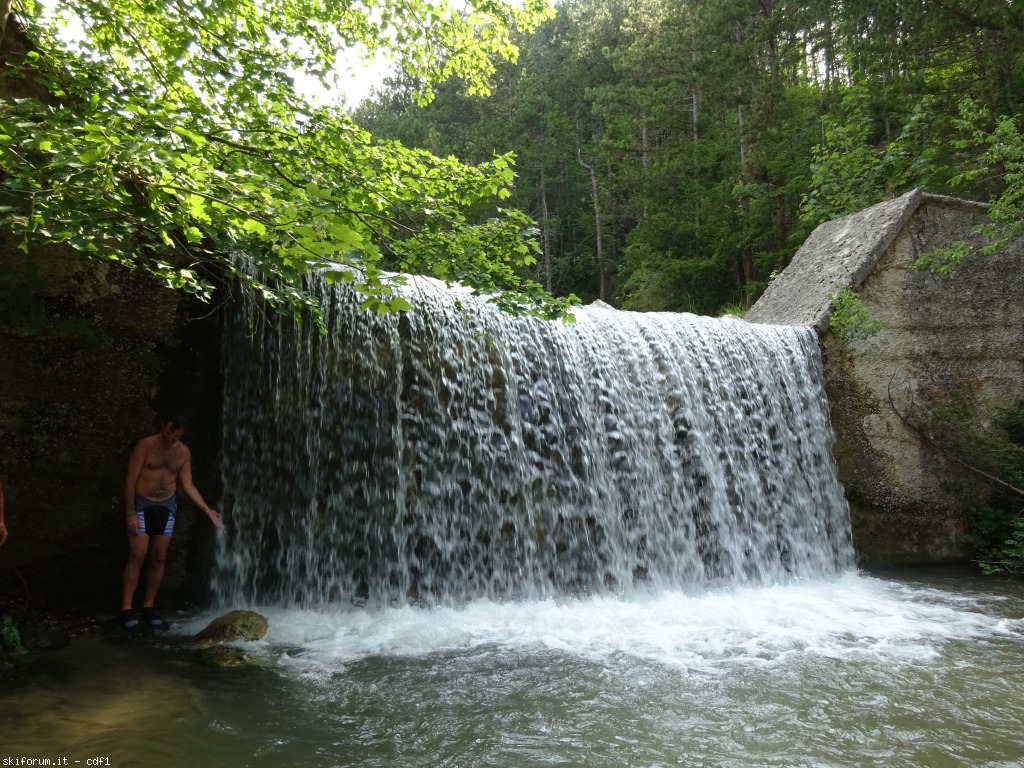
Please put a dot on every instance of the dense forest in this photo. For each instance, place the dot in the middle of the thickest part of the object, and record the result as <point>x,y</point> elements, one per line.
<point>675,154</point>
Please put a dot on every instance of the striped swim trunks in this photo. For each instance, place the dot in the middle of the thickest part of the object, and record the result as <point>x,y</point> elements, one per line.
<point>156,518</point>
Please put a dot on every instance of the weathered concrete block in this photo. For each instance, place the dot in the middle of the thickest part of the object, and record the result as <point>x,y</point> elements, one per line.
<point>939,334</point>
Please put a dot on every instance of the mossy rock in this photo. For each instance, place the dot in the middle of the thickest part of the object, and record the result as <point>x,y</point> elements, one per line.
<point>233,626</point>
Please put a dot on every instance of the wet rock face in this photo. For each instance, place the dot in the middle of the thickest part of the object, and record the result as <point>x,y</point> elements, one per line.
<point>111,351</point>
<point>234,626</point>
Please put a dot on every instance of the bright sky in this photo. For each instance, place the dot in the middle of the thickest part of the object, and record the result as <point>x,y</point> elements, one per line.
<point>355,79</point>
<point>355,75</point>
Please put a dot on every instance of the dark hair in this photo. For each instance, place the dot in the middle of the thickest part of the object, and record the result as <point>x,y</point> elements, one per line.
<point>176,420</point>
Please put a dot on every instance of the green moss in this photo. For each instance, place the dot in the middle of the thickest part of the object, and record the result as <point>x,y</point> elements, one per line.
<point>10,637</point>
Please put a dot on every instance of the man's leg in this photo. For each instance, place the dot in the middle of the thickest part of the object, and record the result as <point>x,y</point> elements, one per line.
<point>155,570</point>
<point>138,546</point>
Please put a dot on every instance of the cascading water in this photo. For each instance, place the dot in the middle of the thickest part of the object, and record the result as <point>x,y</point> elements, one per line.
<point>453,452</point>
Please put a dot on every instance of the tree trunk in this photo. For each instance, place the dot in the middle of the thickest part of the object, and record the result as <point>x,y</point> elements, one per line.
<point>695,95</point>
<point>743,144</point>
<point>601,280</point>
<point>545,229</point>
<point>5,11</point>
<point>645,152</point>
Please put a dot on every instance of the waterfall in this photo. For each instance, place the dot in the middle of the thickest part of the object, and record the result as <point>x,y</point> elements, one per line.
<point>453,452</point>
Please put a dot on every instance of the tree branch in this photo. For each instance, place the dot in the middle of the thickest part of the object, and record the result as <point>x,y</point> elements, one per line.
<point>934,445</point>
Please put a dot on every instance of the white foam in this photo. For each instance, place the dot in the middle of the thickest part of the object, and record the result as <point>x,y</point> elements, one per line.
<point>853,616</point>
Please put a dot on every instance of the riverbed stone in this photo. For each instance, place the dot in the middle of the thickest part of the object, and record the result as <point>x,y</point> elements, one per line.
<point>226,657</point>
<point>234,626</point>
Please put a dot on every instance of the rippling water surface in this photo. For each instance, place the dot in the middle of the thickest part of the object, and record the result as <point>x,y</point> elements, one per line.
<point>860,671</point>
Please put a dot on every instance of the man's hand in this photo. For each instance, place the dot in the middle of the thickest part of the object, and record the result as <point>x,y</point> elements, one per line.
<point>214,516</point>
<point>132,523</point>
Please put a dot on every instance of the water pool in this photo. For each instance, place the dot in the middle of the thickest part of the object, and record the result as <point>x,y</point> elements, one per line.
<point>920,670</point>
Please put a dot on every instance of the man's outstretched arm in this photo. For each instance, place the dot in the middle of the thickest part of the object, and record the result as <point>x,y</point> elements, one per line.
<point>186,484</point>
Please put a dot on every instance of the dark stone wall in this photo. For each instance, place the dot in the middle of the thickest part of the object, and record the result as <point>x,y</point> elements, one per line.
<point>91,355</point>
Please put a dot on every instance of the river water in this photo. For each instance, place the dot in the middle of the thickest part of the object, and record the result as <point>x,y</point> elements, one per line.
<point>492,541</point>
<point>905,670</point>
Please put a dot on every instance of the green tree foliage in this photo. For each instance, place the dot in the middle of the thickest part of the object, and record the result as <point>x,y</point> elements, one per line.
<point>853,168</point>
<point>708,129</point>
<point>540,108</point>
<point>850,318</point>
<point>997,171</point>
<point>720,133</point>
<point>992,168</point>
<point>173,136</point>
<point>892,122</point>
<point>997,540</point>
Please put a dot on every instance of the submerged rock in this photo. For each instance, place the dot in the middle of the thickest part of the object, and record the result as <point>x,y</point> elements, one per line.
<point>233,626</point>
<point>1012,626</point>
<point>225,657</point>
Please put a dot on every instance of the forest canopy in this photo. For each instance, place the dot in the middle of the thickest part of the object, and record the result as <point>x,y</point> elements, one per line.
<point>655,154</point>
<point>676,153</point>
<point>170,136</point>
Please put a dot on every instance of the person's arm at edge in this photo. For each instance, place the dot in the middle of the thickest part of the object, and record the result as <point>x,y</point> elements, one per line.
<point>131,479</point>
<point>3,525</point>
<point>185,482</point>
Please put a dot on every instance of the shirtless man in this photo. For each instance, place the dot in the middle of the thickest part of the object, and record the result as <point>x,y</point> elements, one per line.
<point>158,466</point>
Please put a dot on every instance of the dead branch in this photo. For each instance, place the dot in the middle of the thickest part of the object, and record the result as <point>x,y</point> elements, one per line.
<point>936,446</point>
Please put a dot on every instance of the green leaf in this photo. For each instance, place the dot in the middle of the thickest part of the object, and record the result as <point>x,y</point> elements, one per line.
<point>192,136</point>
<point>196,207</point>
<point>196,128</point>
<point>92,156</point>
<point>253,227</point>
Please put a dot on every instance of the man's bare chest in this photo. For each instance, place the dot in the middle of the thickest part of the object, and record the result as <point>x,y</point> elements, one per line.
<point>164,460</point>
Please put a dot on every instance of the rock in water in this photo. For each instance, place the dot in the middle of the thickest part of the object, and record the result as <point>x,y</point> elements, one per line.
<point>236,625</point>
<point>225,657</point>
<point>1013,626</point>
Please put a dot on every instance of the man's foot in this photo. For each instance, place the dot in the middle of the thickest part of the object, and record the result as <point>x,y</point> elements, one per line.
<point>153,620</point>
<point>128,619</point>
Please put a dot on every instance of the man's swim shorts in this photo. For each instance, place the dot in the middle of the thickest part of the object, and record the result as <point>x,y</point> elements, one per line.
<point>156,518</point>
